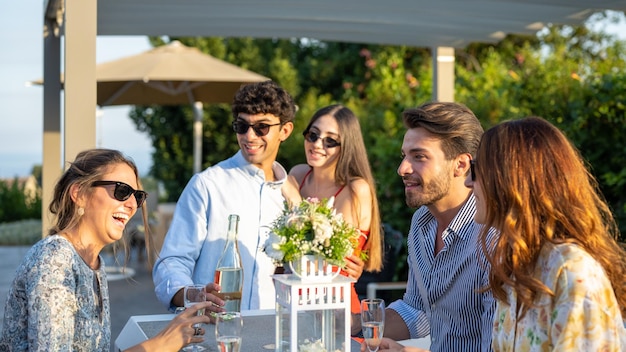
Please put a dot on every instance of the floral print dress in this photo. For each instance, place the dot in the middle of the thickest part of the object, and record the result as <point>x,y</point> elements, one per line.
<point>583,315</point>
<point>57,302</point>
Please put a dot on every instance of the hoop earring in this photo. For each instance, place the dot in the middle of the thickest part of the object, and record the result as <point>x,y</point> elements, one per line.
<point>81,211</point>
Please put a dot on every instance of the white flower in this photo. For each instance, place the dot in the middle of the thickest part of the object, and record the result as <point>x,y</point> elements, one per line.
<point>322,228</point>
<point>272,246</point>
<point>331,202</point>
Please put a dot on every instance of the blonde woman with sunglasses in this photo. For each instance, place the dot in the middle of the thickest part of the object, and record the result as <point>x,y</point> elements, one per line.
<point>59,299</point>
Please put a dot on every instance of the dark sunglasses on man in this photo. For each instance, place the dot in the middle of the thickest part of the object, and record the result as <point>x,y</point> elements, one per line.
<point>260,129</point>
<point>123,191</point>
<point>326,141</point>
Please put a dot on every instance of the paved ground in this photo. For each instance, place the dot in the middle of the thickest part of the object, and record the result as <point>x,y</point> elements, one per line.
<point>10,259</point>
<point>129,296</point>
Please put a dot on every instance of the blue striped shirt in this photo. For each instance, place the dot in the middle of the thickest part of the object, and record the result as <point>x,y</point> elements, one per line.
<point>462,318</point>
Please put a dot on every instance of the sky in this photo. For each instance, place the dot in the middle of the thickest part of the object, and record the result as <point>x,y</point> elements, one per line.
<point>21,60</point>
<point>21,124</point>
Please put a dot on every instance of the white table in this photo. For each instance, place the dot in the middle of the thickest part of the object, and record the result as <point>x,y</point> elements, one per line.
<point>423,343</point>
<point>132,333</point>
<point>258,331</point>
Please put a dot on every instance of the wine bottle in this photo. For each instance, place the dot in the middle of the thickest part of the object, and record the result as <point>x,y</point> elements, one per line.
<point>229,272</point>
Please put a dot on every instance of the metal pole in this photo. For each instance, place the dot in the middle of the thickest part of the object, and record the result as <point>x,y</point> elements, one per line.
<point>197,136</point>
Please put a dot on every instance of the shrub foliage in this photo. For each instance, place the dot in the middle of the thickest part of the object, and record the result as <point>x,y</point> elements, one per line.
<point>16,203</point>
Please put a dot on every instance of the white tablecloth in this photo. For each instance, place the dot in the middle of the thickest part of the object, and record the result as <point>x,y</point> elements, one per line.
<point>258,331</point>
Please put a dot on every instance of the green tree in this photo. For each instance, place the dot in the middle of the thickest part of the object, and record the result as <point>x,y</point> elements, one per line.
<point>571,76</point>
<point>568,75</point>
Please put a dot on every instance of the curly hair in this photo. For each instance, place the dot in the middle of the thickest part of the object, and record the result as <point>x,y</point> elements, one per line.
<point>264,98</point>
<point>519,165</point>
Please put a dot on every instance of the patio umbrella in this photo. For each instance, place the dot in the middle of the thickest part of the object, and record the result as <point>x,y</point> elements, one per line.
<point>172,74</point>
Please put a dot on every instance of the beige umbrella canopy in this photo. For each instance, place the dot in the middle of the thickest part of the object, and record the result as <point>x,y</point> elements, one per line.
<point>172,74</point>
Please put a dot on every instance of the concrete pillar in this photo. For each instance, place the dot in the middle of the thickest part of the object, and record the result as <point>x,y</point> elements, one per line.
<point>443,74</point>
<point>51,154</point>
<point>80,77</point>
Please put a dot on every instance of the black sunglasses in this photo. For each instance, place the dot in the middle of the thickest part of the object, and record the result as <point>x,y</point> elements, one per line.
<point>473,170</point>
<point>260,129</point>
<point>327,141</point>
<point>123,191</point>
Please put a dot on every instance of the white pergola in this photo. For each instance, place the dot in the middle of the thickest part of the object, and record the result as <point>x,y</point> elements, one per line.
<point>441,25</point>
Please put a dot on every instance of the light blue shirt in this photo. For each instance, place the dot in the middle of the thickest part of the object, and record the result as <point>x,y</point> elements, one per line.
<point>197,234</point>
<point>462,318</point>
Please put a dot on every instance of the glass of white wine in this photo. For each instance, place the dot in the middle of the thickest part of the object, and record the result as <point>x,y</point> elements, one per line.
<point>194,294</point>
<point>373,322</point>
<point>228,328</point>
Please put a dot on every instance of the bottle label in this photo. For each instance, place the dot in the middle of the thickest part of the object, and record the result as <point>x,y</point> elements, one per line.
<point>230,280</point>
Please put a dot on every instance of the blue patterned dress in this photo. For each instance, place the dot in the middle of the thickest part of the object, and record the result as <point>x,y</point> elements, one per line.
<point>57,302</point>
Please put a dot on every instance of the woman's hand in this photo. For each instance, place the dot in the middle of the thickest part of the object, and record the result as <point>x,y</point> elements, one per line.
<point>179,332</point>
<point>354,266</point>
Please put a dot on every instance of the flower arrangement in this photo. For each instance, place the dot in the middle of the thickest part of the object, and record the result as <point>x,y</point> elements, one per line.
<point>312,227</point>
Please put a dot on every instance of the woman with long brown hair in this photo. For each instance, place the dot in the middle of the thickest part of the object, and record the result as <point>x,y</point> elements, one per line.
<point>557,271</point>
<point>337,166</point>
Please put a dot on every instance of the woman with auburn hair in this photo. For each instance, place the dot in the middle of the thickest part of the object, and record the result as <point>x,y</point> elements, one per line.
<point>556,269</point>
<point>337,166</point>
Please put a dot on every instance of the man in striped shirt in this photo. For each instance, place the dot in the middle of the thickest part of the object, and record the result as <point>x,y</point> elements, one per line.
<point>447,268</point>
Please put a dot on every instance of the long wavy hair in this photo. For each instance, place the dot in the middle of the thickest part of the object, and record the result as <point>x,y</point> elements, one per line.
<point>353,163</point>
<point>538,190</point>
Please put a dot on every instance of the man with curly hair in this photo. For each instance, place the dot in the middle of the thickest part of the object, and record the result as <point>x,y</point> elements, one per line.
<point>247,184</point>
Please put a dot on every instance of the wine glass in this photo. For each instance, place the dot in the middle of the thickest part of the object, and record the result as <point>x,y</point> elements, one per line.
<point>373,322</point>
<point>194,294</point>
<point>228,327</point>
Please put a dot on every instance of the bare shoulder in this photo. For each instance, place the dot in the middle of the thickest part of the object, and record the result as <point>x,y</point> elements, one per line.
<point>299,171</point>
<point>361,188</point>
